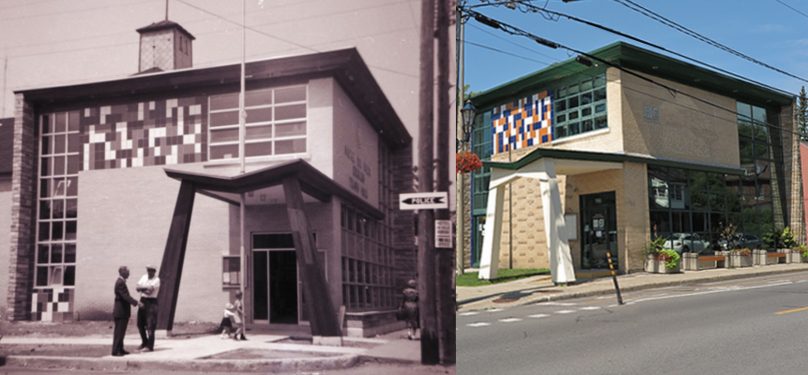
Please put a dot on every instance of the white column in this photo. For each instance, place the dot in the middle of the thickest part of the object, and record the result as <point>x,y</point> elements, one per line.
<point>558,247</point>
<point>489,260</point>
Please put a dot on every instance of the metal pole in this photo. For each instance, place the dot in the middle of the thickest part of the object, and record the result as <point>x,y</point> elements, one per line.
<point>614,276</point>
<point>242,117</point>
<point>426,261</point>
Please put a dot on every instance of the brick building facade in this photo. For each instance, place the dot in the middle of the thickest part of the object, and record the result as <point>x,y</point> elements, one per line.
<point>631,162</point>
<point>96,171</point>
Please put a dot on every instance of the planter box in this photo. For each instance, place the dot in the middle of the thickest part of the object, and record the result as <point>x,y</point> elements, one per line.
<point>696,262</point>
<point>793,256</point>
<point>654,265</point>
<point>738,260</point>
<point>759,257</point>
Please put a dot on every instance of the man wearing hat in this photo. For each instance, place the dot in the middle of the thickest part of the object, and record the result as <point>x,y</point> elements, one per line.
<point>149,287</point>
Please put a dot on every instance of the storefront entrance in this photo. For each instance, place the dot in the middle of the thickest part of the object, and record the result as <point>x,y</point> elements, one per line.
<point>598,229</point>
<point>275,279</point>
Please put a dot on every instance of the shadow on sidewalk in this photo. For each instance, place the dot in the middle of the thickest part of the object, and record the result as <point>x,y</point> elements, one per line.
<point>515,295</point>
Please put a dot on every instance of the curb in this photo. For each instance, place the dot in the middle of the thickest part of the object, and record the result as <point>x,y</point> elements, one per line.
<point>598,292</point>
<point>201,365</point>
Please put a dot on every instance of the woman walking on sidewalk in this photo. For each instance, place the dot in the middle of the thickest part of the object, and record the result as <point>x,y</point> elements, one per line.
<point>409,304</point>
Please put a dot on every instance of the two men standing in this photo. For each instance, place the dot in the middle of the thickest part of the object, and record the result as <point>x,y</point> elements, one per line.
<point>149,287</point>
<point>121,311</point>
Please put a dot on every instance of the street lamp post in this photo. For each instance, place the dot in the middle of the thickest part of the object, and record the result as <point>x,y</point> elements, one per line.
<point>467,118</point>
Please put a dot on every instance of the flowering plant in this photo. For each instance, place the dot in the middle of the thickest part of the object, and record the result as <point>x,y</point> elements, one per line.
<point>467,161</point>
<point>745,252</point>
<point>670,257</point>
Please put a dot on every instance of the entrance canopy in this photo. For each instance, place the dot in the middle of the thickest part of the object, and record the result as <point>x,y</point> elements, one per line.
<point>542,164</point>
<point>312,182</point>
<point>296,177</point>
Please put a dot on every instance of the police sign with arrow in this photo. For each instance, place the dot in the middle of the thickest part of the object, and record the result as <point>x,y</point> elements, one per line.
<point>424,201</point>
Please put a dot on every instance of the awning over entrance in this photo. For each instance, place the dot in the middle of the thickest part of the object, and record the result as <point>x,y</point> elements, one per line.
<point>312,182</point>
<point>296,177</point>
<point>545,169</point>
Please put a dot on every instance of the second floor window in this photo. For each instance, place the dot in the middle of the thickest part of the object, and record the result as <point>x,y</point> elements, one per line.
<point>275,124</point>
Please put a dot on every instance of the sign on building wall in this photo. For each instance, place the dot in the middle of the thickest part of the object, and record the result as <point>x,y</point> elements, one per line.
<point>523,123</point>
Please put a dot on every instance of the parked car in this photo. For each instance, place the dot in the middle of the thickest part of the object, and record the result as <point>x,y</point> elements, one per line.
<point>686,243</point>
<point>741,240</point>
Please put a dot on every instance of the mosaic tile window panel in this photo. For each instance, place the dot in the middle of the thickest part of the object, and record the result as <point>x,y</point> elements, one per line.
<point>523,123</point>
<point>160,132</point>
<point>52,304</point>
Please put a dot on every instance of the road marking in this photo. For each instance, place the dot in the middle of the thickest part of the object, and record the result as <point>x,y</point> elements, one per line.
<point>493,310</point>
<point>789,311</point>
<point>589,308</point>
<point>480,324</point>
<point>551,303</point>
<point>470,313</point>
<point>565,311</point>
<point>510,320</point>
<point>730,289</point>
<point>538,316</point>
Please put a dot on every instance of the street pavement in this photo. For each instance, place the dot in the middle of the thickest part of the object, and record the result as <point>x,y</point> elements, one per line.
<point>197,354</point>
<point>707,325</point>
<point>541,289</point>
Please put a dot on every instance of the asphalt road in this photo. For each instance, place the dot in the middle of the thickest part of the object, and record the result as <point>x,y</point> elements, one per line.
<point>749,326</point>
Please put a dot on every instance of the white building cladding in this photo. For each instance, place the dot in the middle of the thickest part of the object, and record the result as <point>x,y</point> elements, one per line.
<point>90,190</point>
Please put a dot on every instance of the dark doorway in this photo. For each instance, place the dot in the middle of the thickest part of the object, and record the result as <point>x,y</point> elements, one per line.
<point>282,287</point>
<point>598,230</point>
<point>275,281</point>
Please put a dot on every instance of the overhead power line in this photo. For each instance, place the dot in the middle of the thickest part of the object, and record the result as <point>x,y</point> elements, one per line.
<point>583,56</point>
<point>478,45</point>
<point>527,7</point>
<point>672,24</point>
<point>792,8</point>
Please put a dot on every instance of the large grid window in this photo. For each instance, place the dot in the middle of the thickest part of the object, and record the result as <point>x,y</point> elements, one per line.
<point>580,107</point>
<point>57,208</point>
<point>757,189</point>
<point>692,206</point>
<point>275,124</point>
<point>367,263</point>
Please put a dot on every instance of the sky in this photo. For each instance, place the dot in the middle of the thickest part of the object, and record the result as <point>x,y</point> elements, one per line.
<point>767,30</point>
<point>58,42</point>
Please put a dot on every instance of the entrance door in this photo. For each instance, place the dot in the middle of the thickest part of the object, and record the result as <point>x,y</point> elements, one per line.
<point>275,279</point>
<point>598,229</point>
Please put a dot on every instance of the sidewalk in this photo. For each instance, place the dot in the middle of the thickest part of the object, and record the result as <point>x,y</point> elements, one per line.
<point>262,352</point>
<point>541,289</point>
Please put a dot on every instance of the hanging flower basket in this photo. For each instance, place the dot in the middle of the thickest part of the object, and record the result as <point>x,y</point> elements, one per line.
<point>468,161</point>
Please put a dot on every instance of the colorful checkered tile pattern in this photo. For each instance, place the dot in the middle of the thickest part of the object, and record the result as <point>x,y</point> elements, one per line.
<point>523,123</point>
<point>53,304</point>
<point>161,132</point>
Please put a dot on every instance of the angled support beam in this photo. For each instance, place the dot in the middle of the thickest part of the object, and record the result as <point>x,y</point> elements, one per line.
<point>174,256</point>
<point>558,247</point>
<point>322,316</point>
<point>489,261</point>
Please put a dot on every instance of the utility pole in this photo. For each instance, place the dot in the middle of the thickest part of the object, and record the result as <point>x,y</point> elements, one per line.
<point>426,260</point>
<point>444,274</point>
<point>460,181</point>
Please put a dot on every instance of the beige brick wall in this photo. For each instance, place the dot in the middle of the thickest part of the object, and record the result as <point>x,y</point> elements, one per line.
<point>684,129</point>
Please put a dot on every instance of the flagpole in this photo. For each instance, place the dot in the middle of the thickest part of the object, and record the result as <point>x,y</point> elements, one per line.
<point>241,135</point>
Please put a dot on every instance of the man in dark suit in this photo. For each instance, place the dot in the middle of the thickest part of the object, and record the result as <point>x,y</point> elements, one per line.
<point>121,311</point>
